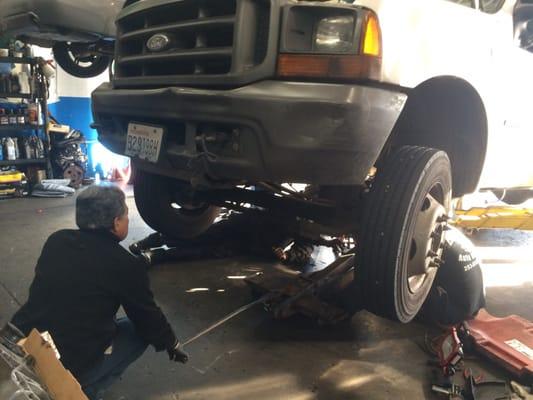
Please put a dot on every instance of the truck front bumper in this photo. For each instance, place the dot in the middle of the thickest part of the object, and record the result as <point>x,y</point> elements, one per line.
<point>273,131</point>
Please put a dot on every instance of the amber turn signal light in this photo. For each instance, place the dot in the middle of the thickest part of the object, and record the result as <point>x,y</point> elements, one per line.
<point>329,66</point>
<point>371,44</point>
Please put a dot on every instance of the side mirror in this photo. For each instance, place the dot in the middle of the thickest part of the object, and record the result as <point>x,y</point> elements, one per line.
<point>523,25</point>
<point>524,35</point>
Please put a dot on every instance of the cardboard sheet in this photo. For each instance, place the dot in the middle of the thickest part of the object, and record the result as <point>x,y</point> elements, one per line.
<point>60,383</point>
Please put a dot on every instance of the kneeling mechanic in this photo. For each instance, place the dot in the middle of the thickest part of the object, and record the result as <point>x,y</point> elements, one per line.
<point>81,280</point>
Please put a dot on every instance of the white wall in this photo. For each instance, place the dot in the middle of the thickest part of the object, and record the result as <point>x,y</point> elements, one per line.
<point>70,86</point>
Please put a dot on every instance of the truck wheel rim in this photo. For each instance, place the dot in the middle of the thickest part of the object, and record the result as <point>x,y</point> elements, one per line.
<point>427,243</point>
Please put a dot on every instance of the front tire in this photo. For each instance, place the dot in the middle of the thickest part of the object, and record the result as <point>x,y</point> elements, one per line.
<point>155,199</point>
<point>401,236</point>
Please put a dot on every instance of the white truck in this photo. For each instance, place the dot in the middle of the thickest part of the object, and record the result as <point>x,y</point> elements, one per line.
<point>385,109</point>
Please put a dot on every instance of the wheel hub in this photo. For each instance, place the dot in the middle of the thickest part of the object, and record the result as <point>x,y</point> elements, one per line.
<point>185,201</point>
<point>425,254</point>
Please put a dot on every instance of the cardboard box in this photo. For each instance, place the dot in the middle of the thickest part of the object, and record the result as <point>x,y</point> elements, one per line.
<point>57,128</point>
<point>35,175</point>
<point>59,382</point>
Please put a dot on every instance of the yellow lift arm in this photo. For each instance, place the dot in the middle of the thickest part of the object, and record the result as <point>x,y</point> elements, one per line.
<point>495,218</point>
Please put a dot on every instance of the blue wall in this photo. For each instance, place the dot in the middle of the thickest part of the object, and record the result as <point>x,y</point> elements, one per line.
<point>76,112</point>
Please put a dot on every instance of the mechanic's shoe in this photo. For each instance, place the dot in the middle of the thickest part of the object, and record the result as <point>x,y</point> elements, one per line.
<point>149,242</point>
<point>135,249</point>
<point>147,256</point>
<point>299,255</point>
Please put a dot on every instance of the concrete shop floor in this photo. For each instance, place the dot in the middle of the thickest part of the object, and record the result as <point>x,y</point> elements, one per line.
<point>256,357</point>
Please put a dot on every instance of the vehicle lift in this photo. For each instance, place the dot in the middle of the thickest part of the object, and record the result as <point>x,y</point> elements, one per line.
<point>495,217</point>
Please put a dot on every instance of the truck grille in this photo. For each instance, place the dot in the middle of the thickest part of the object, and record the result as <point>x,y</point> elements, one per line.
<point>207,38</point>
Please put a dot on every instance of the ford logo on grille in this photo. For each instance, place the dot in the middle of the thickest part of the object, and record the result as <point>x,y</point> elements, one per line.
<point>158,42</point>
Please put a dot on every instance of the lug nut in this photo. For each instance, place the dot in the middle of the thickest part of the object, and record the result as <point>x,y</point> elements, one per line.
<point>443,218</point>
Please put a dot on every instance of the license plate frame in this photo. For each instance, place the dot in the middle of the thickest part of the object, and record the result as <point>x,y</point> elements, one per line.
<point>144,141</point>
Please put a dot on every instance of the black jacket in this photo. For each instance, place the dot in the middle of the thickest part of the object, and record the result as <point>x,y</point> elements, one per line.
<point>81,280</point>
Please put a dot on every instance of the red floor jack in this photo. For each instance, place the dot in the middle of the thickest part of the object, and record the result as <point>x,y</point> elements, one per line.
<point>450,352</point>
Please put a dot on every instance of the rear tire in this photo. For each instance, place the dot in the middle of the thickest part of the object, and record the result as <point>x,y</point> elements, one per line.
<point>402,231</point>
<point>155,199</point>
<point>80,67</point>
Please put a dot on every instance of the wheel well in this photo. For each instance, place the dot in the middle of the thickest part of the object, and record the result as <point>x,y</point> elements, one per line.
<point>447,113</point>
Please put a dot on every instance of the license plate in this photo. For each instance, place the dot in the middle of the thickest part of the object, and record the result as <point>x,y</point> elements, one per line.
<point>144,142</point>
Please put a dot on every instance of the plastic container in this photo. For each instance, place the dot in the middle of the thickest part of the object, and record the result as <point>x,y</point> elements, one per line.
<point>12,117</point>
<point>20,117</point>
<point>4,120</point>
<point>33,114</point>
<point>29,153</point>
<point>17,150</point>
<point>10,149</point>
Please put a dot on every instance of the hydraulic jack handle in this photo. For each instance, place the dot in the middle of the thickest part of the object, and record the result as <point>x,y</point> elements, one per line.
<point>183,357</point>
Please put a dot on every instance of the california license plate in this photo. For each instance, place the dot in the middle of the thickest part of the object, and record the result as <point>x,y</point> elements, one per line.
<point>144,142</point>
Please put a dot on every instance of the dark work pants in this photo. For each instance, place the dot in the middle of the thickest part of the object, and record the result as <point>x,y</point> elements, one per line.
<point>126,348</point>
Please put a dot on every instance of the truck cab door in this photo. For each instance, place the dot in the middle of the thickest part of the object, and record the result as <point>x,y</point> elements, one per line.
<point>510,141</point>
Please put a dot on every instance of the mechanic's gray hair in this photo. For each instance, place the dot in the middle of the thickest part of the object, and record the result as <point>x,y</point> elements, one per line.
<point>98,206</point>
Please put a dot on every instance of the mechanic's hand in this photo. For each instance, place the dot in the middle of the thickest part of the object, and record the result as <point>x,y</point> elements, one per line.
<point>177,354</point>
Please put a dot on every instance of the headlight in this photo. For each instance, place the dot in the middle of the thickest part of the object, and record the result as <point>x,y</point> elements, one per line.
<point>320,29</point>
<point>335,34</point>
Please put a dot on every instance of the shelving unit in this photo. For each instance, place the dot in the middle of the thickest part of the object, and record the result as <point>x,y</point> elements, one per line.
<point>20,60</point>
<point>22,162</point>
<point>39,94</point>
<point>16,96</point>
<point>25,127</point>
